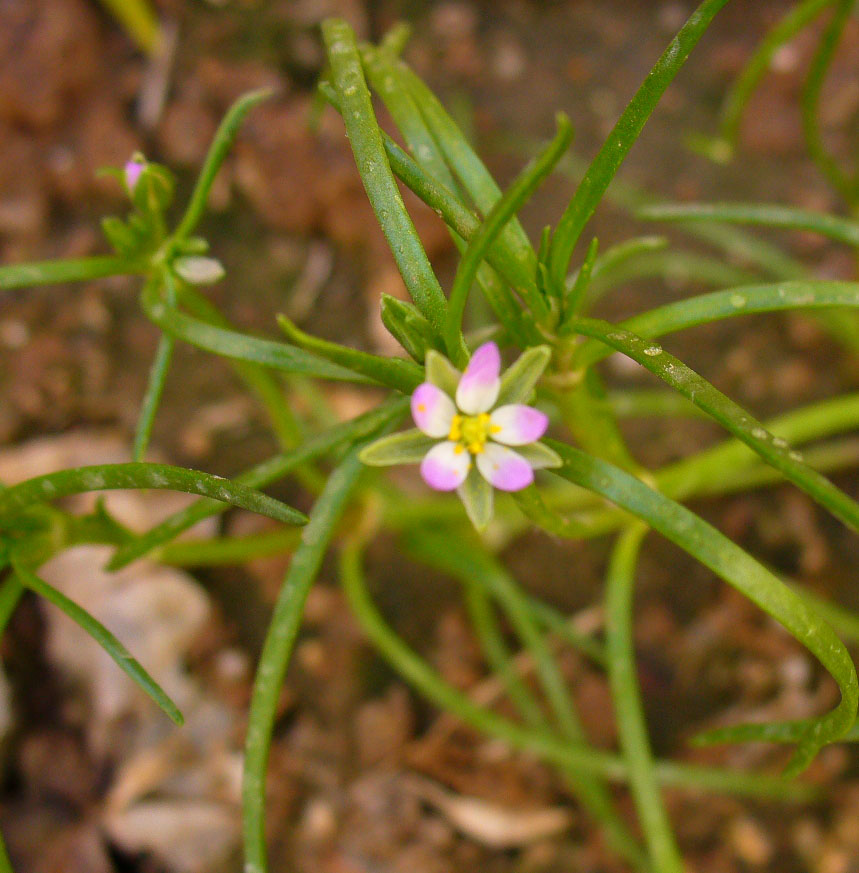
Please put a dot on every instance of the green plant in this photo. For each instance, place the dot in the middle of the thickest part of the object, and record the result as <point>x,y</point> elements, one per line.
<point>541,308</point>
<point>139,21</point>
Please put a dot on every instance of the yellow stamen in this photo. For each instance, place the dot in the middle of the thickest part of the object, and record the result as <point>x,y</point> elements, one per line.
<point>471,432</point>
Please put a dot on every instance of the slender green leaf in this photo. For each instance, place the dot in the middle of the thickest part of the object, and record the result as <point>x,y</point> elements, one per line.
<point>795,20</point>
<point>106,477</point>
<point>56,272</point>
<point>5,863</point>
<point>152,398</point>
<point>502,211</point>
<point>395,39</point>
<point>394,372</point>
<point>810,103</point>
<point>120,655</point>
<point>620,140</point>
<point>644,403</point>
<point>277,650</point>
<point>366,141</point>
<point>843,621</point>
<point>470,171</point>
<point>619,254</point>
<point>139,21</point>
<point>262,383</point>
<point>742,300</point>
<point>431,179</point>
<point>628,706</point>
<point>673,265</point>
<point>239,346</point>
<point>725,468</point>
<point>765,214</point>
<point>774,450</point>
<point>739,569</point>
<point>10,595</point>
<point>225,136</point>
<point>263,474</point>
<point>721,462</point>
<point>579,288</point>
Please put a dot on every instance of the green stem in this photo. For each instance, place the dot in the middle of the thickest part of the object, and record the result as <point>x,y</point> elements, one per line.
<point>157,379</point>
<point>626,694</point>
<point>833,227</point>
<point>560,626</point>
<point>470,563</point>
<point>230,550</point>
<point>585,760</point>
<point>497,654</point>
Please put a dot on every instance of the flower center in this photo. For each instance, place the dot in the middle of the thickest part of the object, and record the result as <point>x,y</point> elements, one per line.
<point>471,432</point>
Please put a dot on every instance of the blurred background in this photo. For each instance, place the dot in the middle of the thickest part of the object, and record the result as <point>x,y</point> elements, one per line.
<point>92,780</point>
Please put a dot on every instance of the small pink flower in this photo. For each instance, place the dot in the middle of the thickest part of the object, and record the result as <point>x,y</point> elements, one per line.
<point>473,432</point>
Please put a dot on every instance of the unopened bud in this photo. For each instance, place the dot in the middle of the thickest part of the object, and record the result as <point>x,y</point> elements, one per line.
<point>197,270</point>
<point>134,170</point>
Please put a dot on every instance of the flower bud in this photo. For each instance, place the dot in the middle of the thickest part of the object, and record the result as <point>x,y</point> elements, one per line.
<point>407,326</point>
<point>196,270</point>
<point>134,168</point>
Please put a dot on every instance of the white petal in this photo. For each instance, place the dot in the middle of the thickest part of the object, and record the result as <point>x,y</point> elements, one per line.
<point>445,466</point>
<point>478,388</point>
<point>432,410</point>
<point>517,425</point>
<point>504,468</point>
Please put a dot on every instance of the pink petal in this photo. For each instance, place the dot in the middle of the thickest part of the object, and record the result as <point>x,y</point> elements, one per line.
<point>445,466</point>
<point>517,425</point>
<point>432,410</point>
<point>504,469</point>
<point>133,170</point>
<point>479,385</point>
